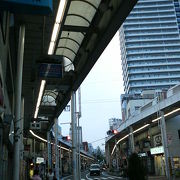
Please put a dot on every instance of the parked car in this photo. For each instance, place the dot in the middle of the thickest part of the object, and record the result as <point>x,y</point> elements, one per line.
<point>95,169</point>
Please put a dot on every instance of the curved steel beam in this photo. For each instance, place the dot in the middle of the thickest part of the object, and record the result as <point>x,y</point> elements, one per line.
<point>63,47</point>
<point>87,3</point>
<point>70,39</point>
<point>80,17</point>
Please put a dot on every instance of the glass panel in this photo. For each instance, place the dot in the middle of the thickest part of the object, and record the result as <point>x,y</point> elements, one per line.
<point>77,36</point>
<point>76,21</point>
<point>84,9</point>
<point>49,98</point>
<point>66,52</point>
<point>68,43</point>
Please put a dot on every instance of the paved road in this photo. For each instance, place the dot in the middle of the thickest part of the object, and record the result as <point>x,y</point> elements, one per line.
<point>103,176</point>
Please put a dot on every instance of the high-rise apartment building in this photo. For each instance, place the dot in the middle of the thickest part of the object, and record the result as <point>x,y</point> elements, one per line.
<point>150,46</point>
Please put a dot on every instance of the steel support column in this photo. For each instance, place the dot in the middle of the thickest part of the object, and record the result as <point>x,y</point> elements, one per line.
<point>74,133</point>
<point>17,122</point>
<point>56,148</point>
<point>60,154</point>
<point>1,150</point>
<point>131,139</point>
<point>22,129</point>
<point>117,161</point>
<point>165,144</point>
<point>49,150</point>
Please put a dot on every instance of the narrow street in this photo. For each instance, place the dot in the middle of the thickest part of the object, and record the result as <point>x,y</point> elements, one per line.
<point>103,176</point>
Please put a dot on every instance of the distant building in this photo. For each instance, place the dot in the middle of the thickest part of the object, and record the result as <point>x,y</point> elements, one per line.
<point>90,148</point>
<point>85,146</point>
<point>132,103</point>
<point>114,123</point>
<point>80,133</point>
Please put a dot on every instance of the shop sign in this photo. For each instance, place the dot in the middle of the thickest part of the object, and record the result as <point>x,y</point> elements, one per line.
<point>142,154</point>
<point>157,150</point>
<point>39,160</point>
<point>157,140</point>
<point>42,7</point>
<point>169,139</point>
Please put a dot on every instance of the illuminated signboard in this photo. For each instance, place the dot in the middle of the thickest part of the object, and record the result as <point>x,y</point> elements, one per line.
<point>50,70</point>
<point>27,6</point>
<point>39,160</point>
<point>157,150</point>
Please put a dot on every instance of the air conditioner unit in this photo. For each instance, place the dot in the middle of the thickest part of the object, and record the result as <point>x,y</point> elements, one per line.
<point>35,125</point>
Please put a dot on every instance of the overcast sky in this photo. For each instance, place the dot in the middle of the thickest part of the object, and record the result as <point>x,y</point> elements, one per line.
<point>100,96</point>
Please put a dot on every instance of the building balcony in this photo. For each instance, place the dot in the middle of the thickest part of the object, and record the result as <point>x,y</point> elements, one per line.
<point>154,64</point>
<point>159,77</point>
<point>153,58</point>
<point>130,46</point>
<point>149,52</point>
<point>152,16</point>
<point>154,84</point>
<point>155,71</point>
<point>152,40</point>
<point>146,33</point>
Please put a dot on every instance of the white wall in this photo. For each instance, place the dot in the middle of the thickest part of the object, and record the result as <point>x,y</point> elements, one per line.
<point>172,126</point>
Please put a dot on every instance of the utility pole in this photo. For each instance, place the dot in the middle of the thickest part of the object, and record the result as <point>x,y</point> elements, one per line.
<point>165,144</point>
<point>49,150</point>
<point>56,148</point>
<point>74,134</point>
<point>18,90</point>
<point>117,162</point>
<point>131,139</point>
<point>78,136</point>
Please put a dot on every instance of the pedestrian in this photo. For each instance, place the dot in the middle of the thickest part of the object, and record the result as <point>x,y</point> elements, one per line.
<point>50,175</point>
<point>36,175</point>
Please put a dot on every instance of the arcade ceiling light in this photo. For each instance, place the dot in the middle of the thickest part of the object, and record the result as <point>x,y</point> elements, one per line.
<point>41,90</point>
<point>56,27</point>
<point>154,120</point>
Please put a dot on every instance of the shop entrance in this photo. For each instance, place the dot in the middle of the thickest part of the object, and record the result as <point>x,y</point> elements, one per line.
<point>159,163</point>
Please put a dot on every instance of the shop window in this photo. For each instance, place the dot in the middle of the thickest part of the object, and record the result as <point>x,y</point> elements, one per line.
<point>179,133</point>
<point>3,25</point>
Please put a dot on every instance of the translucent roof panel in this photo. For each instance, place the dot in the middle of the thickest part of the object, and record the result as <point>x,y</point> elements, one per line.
<point>77,36</point>
<point>80,13</point>
<point>68,43</point>
<point>78,17</point>
<point>49,98</point>
<point>74,20</point>
<point>66,53</point>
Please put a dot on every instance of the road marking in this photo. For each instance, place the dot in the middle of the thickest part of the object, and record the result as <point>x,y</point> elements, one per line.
<point>111,177</point>
<point>88,177</point>
<point>67,177</point>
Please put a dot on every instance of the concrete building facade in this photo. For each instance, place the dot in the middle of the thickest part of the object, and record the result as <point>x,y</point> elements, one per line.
<point>150,46</point>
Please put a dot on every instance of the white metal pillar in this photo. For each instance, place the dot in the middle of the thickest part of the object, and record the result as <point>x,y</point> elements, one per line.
<point>1,150</point>
<point>56,149</point>
<point>22,129</point>
<point>131,139</point>
<point>165,144</point>
<point>60,154</point>
<point>74,134</point>
<point>49,150</point>
<point>69,161</point>
<point>78,149</point>
<point>34,150</point>
<point>78,145</point>
<point>109,157</point>
<point>117,161</point>
<point>17,122</point>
